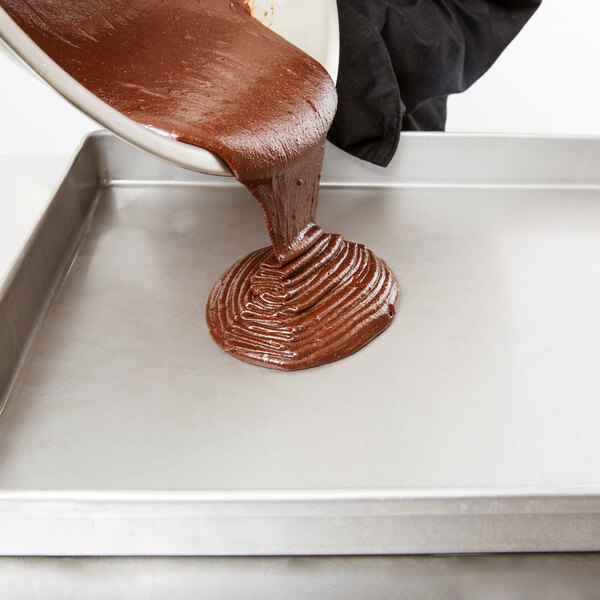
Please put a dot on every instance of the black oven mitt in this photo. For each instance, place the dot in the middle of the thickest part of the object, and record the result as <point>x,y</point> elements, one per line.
<point>400,59</point>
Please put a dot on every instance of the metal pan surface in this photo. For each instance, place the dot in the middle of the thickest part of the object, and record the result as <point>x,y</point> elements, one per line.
<point>471,425</point>
<point>576,576</point>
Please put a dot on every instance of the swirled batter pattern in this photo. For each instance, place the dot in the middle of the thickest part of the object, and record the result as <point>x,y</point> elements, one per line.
<point>316,308</point>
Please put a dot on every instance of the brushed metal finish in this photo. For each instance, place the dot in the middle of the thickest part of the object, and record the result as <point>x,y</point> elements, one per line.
<point>41,264</point>
<point>471,425</point>
<point>543,576</point>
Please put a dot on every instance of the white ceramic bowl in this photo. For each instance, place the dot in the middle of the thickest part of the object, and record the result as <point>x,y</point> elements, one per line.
<point>312,25</point>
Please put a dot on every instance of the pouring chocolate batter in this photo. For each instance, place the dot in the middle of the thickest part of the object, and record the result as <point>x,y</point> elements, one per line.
<point>207,73</point>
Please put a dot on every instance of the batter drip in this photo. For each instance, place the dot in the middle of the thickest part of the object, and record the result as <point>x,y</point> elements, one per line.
<point>315,308</point>
<point>207,73</point>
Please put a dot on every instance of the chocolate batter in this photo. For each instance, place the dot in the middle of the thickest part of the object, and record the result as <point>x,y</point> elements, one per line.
<point>206,73</point>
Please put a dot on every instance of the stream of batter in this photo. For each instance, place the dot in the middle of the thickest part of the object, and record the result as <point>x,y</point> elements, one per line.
<point>207,73</point>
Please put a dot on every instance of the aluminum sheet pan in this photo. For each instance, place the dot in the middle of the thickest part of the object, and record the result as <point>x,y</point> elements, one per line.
<point>471,425</point>
<point>491,577</point>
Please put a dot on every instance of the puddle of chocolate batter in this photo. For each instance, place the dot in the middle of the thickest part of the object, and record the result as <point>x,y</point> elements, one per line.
<point>207,73</point>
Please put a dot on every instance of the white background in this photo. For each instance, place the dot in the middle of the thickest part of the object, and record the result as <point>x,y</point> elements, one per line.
<point>547,81</point>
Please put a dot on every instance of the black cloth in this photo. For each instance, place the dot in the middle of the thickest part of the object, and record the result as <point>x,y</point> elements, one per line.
<point>400,59</point>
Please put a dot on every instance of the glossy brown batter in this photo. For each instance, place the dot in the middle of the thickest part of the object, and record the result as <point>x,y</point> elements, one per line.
<point>206,73</point>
